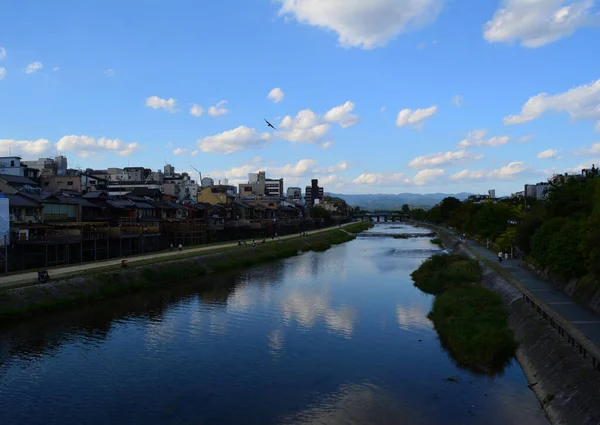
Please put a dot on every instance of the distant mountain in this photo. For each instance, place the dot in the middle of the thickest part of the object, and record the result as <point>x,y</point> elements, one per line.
<point>395,202</point>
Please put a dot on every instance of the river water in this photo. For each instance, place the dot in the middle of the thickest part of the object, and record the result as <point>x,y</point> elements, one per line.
<point>337,337</point>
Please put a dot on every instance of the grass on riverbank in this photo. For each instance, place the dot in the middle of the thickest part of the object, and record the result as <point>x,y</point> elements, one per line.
<point>437,241</point>
<point>109,282</point>
<point>471,320</point>
<point>445,271</point>
<point>472,323</point>
<point>358,227</point>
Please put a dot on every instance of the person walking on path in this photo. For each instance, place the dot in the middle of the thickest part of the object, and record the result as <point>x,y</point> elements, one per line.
<point>180,247</point>
<point>171,247</point>
<point>506,256</point>
<point>500,257</point>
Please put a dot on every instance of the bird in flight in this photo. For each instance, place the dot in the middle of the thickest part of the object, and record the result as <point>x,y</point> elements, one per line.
<point>270,125</point>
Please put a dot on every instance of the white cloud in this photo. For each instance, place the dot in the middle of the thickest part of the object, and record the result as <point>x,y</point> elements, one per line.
<point>382,179</point>
<point>427,176</point>
<point>33,67</point>
<point>341,166</point>
<point>56,68</point>
<point>2,53</point>
<point>536,23</point>
<point>365,24</point>
<point>218,109</point>
<point>109,73</point>
<point>580,103</point>
<point>306,127</point>
<point>196,110</point>
<point>457,101</point>
<point>276,95</point>
<point>29,148</point>
<point>302,168</point>
<point>382,109</point>
<point>86,146</point>
<point>547,154</point>
<point>505,173</point>
<point>2,73</point>
<point>583,166</point>
<point>444,158</point>
<point>235,140</point>
<point>343,115</point>
<point>194,153</point>
<point>525,139</point>
<point>478,138</point>
<point>327,145</point>
<point>180,151</point>
<point>156,102</point>
<point>588,151</point>
<point>415,118</point>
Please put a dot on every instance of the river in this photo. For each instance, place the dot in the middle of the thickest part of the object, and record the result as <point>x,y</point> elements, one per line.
<point>336,337</point>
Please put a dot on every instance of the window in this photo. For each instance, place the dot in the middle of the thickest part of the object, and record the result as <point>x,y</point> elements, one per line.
<point>46,184</point>
<point>30,211</point>
<point>12,163</point>
<point>69,183</point>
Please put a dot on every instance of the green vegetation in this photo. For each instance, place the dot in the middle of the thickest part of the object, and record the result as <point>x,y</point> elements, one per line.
<point>358,227</point>
<point>437,241</point>
<point>470,320</point>
<point>560,234</point>
<point>442,272</point>
<point>114,280</point>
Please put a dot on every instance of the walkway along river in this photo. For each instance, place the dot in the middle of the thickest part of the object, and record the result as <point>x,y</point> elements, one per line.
<point>333,337</point>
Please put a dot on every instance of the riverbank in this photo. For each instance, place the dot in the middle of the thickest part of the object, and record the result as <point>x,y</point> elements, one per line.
<point>564,382</point>
<point>471,320</point>
<point>88,286</point>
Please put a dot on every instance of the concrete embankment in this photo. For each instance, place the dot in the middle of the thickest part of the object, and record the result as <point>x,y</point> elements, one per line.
<point>557,359</point>
<point>114,280</point>
<point>564,381</point>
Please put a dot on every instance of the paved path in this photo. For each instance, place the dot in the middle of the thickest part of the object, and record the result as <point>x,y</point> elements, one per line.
<point>30,277</point>
<point>581,317</point>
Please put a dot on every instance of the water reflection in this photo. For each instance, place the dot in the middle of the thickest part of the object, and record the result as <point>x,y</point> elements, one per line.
<point>318,338</point>
<point>307,309</point>
<point>358,404</point>
<point>412,318</point>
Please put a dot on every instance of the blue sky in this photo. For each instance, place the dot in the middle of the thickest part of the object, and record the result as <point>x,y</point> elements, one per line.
<point>385,96</point>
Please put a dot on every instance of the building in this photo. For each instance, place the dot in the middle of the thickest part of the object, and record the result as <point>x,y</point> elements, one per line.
<point>259,186</point>
<point>169,170</point>
<point>46,166</point>
<point>13,184</point>
<point>274,188</point>
<point>61,165</point>
<point>216,195</point>
<point>73,180</point>
<point>537,191</point>
<point>294,194</point>
<point>13,166</point>
<point>492,193</point>
<point>314,193</point>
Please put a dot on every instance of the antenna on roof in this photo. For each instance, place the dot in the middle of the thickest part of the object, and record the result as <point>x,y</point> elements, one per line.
<point>199,174</point>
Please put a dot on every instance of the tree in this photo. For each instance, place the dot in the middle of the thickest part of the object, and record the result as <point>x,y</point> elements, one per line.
<point>405,209</point>
<point>319,212</point>
<point>448,205</point>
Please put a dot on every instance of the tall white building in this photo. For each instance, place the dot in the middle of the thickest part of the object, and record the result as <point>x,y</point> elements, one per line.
<point>61,165</point>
